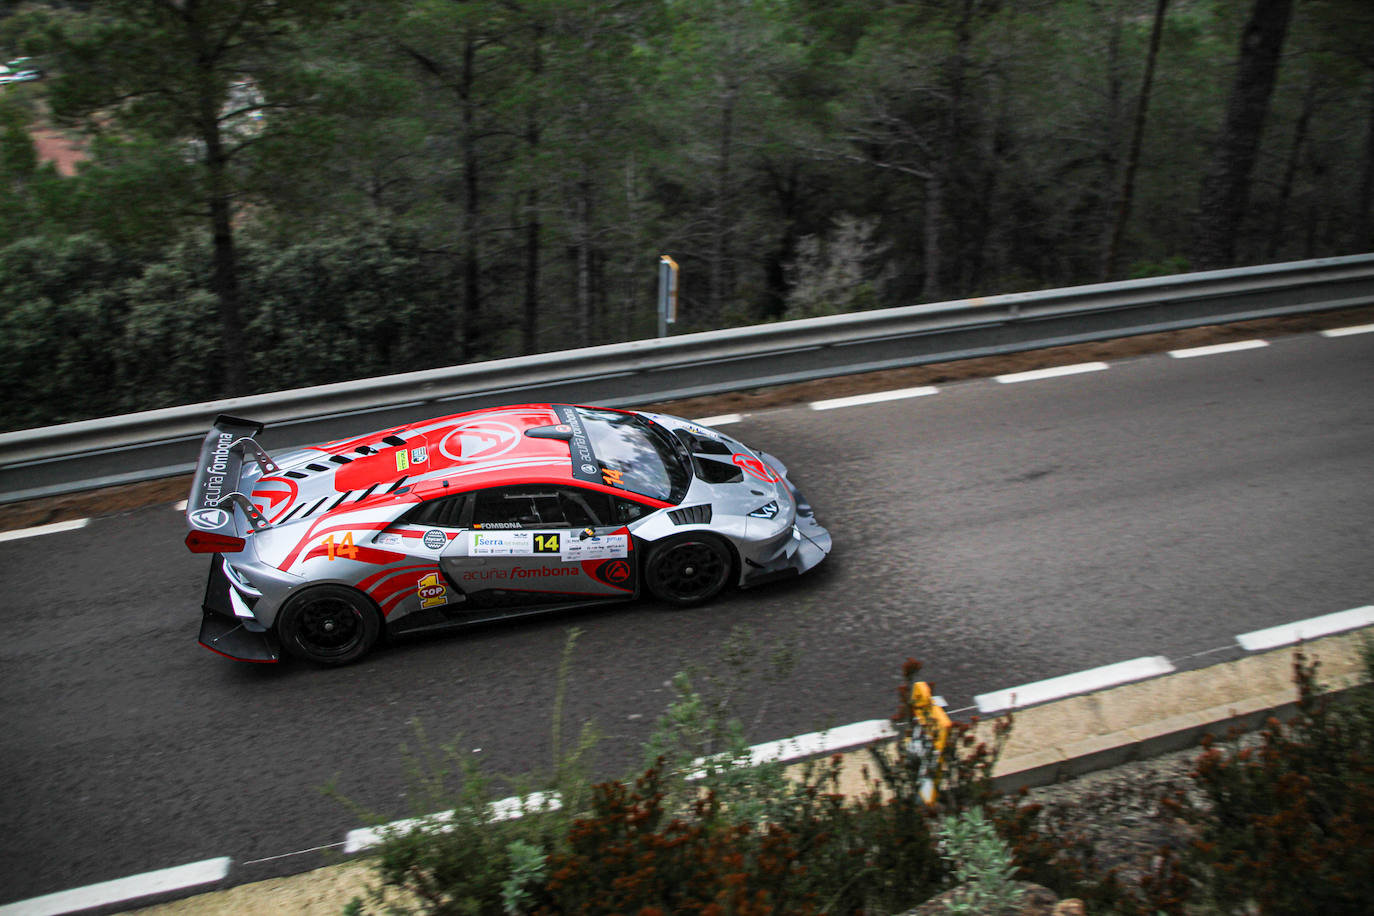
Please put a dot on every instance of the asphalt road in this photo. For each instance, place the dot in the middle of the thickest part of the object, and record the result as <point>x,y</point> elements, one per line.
<point>1001,533</point>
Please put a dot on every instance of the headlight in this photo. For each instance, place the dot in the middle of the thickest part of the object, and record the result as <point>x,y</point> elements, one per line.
<point>767,510</point>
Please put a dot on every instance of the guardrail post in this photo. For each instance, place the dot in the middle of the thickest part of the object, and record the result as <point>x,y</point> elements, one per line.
<point>667,294</point>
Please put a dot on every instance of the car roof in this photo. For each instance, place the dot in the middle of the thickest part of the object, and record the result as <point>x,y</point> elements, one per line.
<point>406,464</point>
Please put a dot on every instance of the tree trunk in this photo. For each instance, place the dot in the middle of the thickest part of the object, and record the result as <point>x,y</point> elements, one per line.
<point>1226,186</point>
<point>1290,170</point>
<point>470,303</point>
<point>722,243</point>
<point>934,213</point>
<point>529,331</point>
<point>1124,198</point>
<point>1365,220</point>
<point>225,277</point>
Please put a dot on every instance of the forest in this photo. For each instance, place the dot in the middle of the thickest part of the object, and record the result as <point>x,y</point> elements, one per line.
<point>273,195</point>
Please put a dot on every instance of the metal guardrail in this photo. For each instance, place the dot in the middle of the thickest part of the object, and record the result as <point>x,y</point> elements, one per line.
<point>152,444</point>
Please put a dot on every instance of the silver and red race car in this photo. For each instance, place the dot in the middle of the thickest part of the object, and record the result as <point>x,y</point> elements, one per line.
<point>479,516</point>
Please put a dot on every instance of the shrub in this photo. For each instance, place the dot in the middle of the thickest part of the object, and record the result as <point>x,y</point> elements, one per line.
<point>1287,825</point>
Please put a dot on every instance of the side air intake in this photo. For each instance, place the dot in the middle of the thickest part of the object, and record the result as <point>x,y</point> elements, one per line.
<point>692,515</point>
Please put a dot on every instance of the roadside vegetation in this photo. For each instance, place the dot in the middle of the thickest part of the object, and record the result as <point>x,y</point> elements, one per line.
<point>285,194</point>
<point>1278,823</point>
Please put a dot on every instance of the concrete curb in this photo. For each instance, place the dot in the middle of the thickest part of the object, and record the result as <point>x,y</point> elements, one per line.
<point>1049,743</point>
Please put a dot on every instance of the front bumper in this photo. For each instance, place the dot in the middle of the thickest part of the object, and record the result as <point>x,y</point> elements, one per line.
<point>807,544</point>
<point>228,626</point>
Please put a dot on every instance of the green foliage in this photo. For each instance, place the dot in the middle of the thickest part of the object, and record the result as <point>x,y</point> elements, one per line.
<point>981,863</point>
<point>507,174</point>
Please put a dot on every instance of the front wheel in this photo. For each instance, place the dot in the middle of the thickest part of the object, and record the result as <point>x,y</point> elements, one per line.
<point>687,569</point>
<point>329,625</point>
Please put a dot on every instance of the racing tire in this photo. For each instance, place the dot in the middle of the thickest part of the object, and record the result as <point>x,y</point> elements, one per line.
<point>329,625</point>
<point>687,569</point>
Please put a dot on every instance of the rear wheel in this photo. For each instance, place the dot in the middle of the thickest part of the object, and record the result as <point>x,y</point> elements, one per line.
<point>687,569</point>
<point>329,625</point>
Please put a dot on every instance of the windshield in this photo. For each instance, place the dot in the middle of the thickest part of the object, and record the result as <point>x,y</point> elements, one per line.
<point>639,455</point>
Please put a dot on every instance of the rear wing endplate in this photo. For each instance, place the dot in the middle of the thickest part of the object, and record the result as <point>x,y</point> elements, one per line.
<point>215,488</point>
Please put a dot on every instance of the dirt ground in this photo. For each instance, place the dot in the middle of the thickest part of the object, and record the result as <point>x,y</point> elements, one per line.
<point>122,499</point>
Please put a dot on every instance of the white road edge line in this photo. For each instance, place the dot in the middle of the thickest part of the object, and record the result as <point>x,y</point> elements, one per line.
<point>179,507</point>
<point>812,744</point>
<point>54,528</point>
<point>504,810</point>
<point>1052,372</point>
<point>724,419</point>
<point>1312,628</point>
<point>874,398</point>
<point>1346,332</point>
<point>1233,347</point>
<point>120,890</point>
<point>1136,669</point>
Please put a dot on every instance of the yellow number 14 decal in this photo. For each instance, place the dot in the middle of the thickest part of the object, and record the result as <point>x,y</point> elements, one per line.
<point>344,549</point>
<point>546,543</point>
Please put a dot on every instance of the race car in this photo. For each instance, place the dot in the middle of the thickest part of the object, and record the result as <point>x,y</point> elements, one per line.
<point>479,516</point>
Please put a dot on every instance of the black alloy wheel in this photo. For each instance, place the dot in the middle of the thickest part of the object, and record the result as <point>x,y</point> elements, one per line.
<point>688,569</point>
<point>329,625</point>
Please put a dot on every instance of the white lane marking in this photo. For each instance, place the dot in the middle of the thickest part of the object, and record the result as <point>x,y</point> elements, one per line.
<point>179,507</point>
<point>1346,332</point>
<point>1214,349</point>
<point>54,528</point>
<point>121,889</point>
<point>1052,372</point>
<point>873,398</point>
<point>504,810</point>
<point>722,420</point>
<point>1080,682</point>
<point>1313,627</point>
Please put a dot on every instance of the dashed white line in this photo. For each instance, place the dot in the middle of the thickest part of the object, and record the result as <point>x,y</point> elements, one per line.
<point>1346,332</point>
<point>724,419</point>
<point>1212,350</point>
<point>179,507</point>
<point>1053,372</point>
<point>54,528</point>
<point>875,397</point>
<point>1289,633</point>
<point>1080,682</point>
<point>121,890</point>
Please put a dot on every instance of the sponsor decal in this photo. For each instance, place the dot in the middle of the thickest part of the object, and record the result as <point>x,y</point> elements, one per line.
<point>218,467</point>
<point>432,591</point>
<point>513,544</point>
<point>479,440</point>
<point>615,571</point>
<point>209,519</point>
<point>435,539</point>
<point>496,526</point>
<point>585,465</point>
<point>402,460</point>
<point>755,468</point>
<point>389,539</point>
<point>419,455</point>
<point>605,547</point>
<point>520,573</point>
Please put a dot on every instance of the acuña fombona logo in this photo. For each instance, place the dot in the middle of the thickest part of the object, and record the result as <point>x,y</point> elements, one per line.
<point>209,519</point>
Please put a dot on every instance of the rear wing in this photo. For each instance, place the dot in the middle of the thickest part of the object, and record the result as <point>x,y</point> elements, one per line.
<point>215,490</point>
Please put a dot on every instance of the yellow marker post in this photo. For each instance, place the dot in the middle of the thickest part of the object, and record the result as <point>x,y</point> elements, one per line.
<point>934,725</point>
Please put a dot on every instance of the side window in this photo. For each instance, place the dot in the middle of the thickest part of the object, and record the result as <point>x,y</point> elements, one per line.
<point>627,511</point>
<point>540,506</point>
<point>445,512</point>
